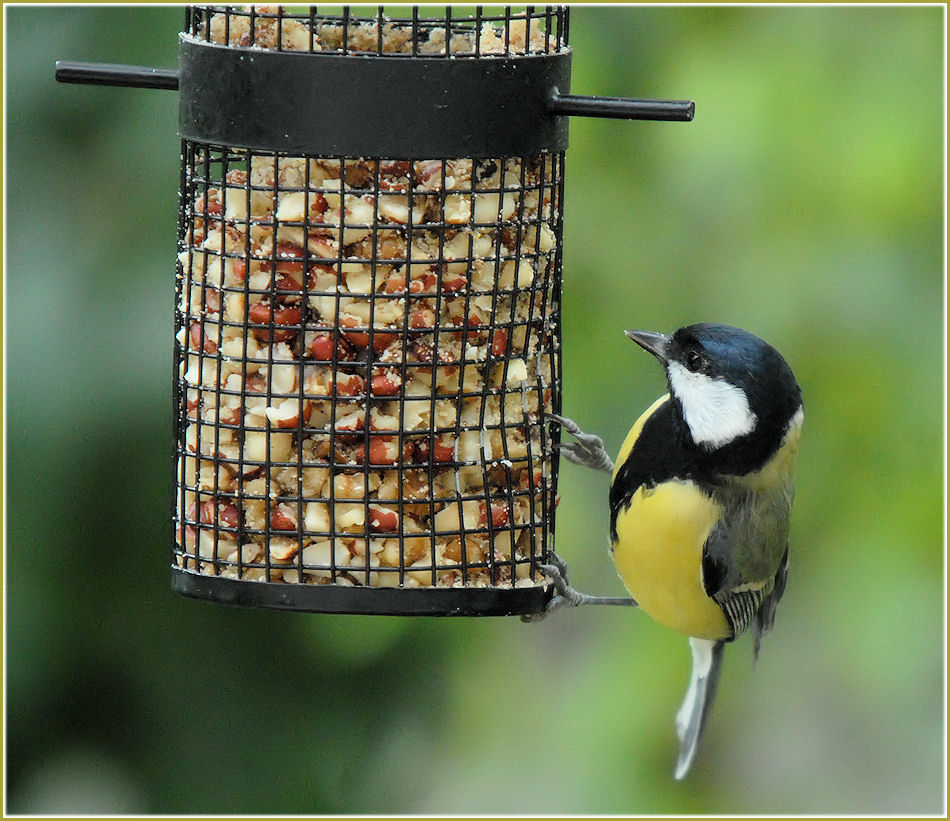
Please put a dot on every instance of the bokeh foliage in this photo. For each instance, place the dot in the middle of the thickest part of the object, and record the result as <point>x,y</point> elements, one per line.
<point>805,202</point>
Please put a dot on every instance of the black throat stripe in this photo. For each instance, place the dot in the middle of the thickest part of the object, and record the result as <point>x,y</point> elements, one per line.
<point>663,451</point>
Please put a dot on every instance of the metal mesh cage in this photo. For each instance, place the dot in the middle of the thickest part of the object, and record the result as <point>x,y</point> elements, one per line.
<point>366,348</point>
<point>505,33</point>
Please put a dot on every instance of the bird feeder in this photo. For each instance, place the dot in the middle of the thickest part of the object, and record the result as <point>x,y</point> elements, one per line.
<point>367,304</point>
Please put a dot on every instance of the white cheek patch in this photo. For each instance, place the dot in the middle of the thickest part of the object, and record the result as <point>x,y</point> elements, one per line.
<point>715,411</point>
<point>795,425</point>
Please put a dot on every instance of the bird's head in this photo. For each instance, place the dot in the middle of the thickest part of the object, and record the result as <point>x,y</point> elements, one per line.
<point>730,385</point>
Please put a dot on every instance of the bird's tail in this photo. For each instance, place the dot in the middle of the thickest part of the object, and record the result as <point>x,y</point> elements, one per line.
<point>691,718</point>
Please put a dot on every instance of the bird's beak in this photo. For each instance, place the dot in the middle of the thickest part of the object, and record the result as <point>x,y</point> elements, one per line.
<point>657,344</point>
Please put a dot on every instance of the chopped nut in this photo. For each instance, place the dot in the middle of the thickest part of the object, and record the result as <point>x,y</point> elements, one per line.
<point>386,383</point>
<point>275,447</point>
<point>316,518</point>
<point>361,339</point>
<point>262,314</point>
<point>316,558</point>
<point>383,450</point>
<point>322,347</point>
<point>395,208</point>
<point>283,517</point>
<point>347,384</point>
<point>383,519</point>
<point>352,421</point>
<point>282,549</point>
<point>499,515</point>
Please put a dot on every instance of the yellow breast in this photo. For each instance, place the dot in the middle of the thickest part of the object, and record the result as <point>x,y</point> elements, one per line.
<point>658,554</point>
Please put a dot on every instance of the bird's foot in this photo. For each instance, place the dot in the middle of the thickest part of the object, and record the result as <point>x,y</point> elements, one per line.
<point>556,571</point>
<point>587,451</point>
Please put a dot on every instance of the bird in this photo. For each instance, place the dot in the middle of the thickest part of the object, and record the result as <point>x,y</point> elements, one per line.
<point>700,500</point>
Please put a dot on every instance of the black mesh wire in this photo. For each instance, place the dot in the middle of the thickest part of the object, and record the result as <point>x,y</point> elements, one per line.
<point>436,32</point>
<point>365,350</point>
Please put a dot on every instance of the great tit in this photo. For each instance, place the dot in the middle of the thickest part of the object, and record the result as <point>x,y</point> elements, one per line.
<point>700,500</point>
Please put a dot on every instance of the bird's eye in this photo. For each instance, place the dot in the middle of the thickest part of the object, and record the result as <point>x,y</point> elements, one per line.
<point>693,361</point>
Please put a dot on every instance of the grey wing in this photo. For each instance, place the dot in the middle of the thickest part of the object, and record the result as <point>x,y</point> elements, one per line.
<point>745,559</point>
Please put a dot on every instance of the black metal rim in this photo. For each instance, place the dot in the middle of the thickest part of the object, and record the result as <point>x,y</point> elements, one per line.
<point>383,601</point>
<point>303,103</point>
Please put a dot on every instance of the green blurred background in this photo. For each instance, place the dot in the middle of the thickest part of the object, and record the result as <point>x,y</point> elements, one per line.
<point>805,203</point>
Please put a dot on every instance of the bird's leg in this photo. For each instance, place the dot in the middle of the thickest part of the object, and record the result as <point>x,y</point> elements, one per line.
<point>588,450</point>
<point>567,595</point>
<point>557,572</point>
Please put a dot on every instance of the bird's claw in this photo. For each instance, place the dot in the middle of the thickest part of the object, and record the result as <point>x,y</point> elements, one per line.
<point>556,571</point>
<point>558,564</point>
<point>587,451</point>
